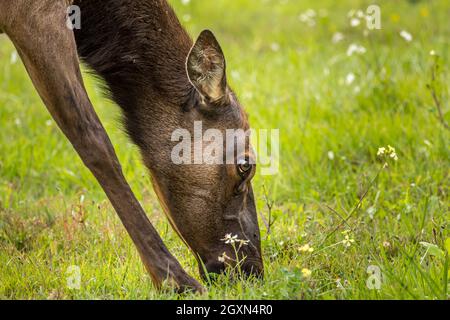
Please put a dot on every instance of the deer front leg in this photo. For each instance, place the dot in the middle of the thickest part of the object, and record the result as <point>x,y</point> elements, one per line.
<point>47,48</point>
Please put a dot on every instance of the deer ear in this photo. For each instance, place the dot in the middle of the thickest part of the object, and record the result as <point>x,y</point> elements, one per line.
<point>206,67</point>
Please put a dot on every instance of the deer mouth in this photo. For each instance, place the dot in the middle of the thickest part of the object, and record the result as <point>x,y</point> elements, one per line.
<point>248,268</point>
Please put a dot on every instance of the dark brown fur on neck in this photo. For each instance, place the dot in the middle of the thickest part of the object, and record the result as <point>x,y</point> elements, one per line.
<point>139,48</point>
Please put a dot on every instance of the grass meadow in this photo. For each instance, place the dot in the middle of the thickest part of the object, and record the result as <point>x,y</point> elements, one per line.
<point>336,222</point>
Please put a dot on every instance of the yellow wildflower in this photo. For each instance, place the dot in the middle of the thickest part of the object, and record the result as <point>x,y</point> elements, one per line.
<point>306,273</point>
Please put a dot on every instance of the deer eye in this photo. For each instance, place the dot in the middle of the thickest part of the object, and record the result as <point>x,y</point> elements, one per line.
<point>244,167</point>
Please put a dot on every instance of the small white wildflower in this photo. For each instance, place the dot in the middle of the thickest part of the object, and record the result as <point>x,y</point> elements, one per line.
<point>350,78</point>
<point>360,14</point>
<point>308,17</point>
<point>14,57</point>
<point>388,152</point>
<point>347,242</point>
<point>303,17</point>
<point>371,212</point>
<point>275,47</point>
<point>243,242</point>
<point>392,153</point>
<point>223,258</point>
<point>337,37</point>
<point>354,22</point>
<point>432,53</point>
<point>235,74</point>
<point>339,284</point>
<point>331,155</point>
<point>406,35</point>
<point>247,95</point>
<point>229,238</point>
<point>381,151</point>
<point>310,13</point>
<point>306,248</point>
<point>355,49</point>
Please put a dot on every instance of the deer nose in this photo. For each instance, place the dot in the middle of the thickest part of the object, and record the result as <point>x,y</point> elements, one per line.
<point>213,268</point>
<point>247,268</point>
<point>253,268</point>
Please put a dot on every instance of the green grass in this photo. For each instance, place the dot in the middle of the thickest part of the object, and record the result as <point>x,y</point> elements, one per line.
<point>290,76</point>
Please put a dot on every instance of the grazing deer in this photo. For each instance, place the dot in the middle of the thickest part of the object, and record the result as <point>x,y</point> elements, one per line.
<point>162,81</point>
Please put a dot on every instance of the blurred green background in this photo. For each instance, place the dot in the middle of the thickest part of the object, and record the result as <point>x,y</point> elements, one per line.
<point>336,90</point>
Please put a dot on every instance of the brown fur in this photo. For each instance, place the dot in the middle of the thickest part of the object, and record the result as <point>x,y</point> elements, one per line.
<point>140,49</point>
